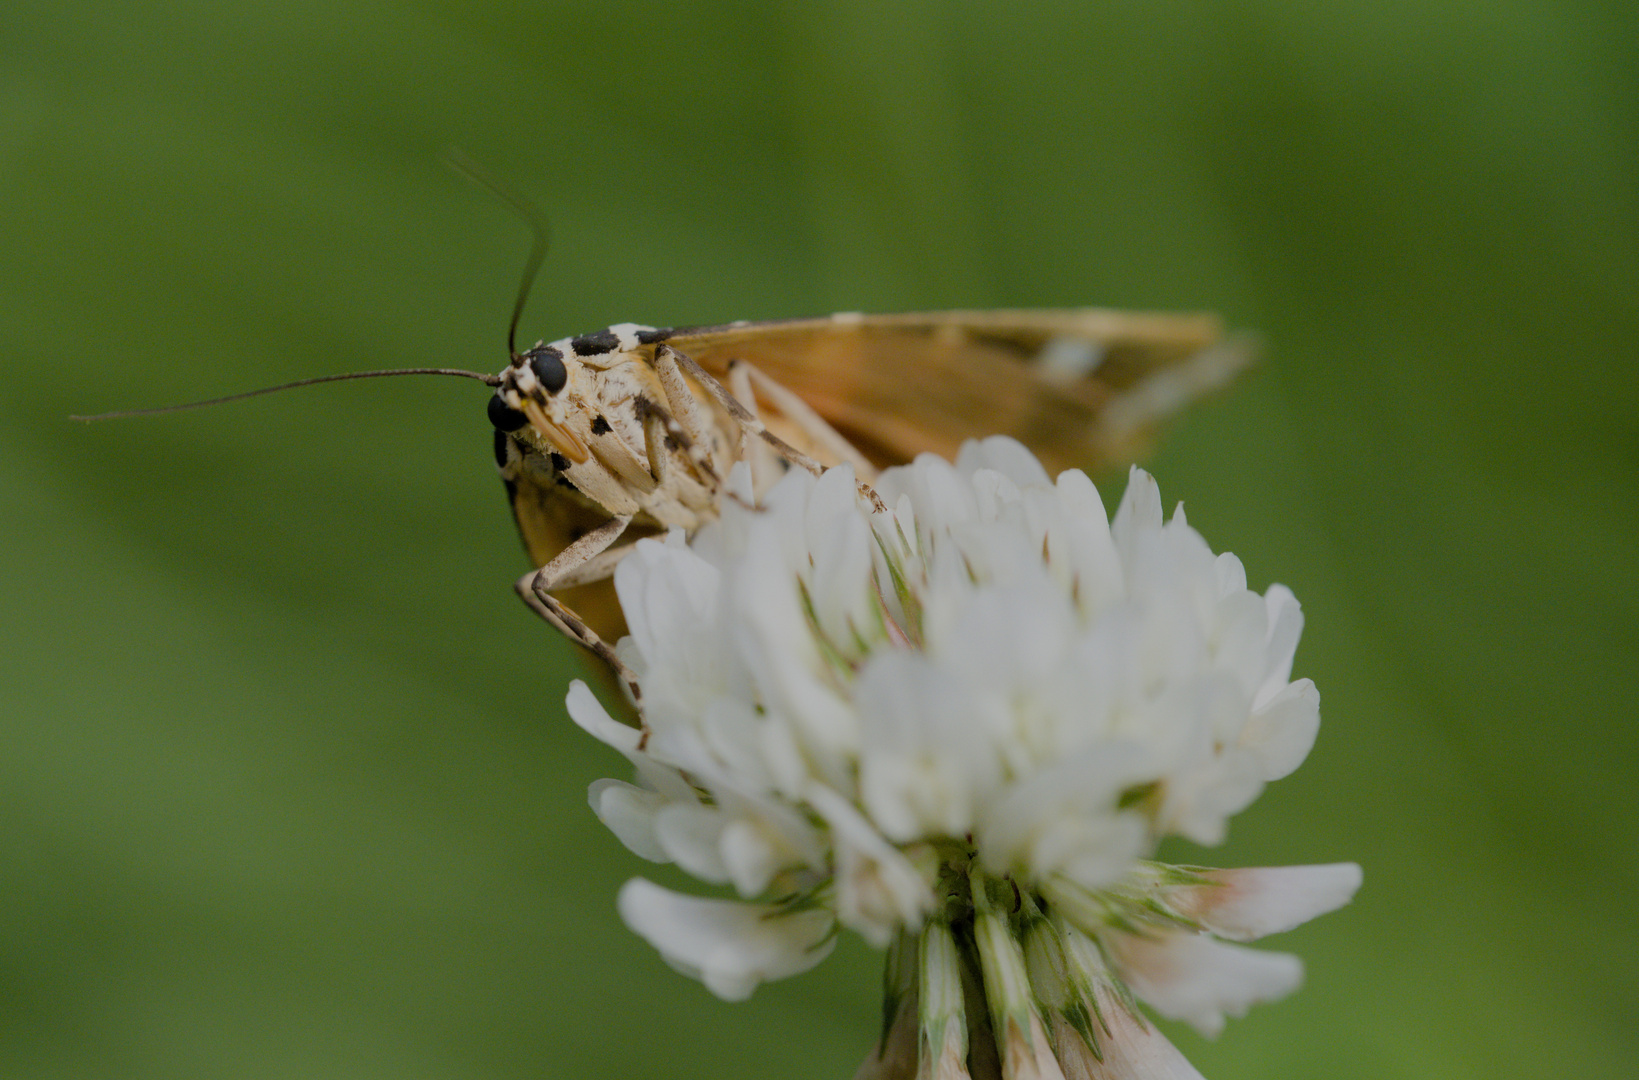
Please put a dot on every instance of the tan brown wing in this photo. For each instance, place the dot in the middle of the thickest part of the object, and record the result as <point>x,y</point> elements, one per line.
<point>897,385</point>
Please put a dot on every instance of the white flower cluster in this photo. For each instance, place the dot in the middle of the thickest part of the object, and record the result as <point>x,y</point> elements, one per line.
<point>887,720</point>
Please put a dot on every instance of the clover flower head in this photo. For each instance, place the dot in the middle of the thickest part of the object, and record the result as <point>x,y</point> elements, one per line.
<point>960,727</point>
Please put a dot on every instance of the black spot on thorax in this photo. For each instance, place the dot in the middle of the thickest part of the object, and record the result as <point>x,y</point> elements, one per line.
<point>594,344</point>
<point>600,426</point>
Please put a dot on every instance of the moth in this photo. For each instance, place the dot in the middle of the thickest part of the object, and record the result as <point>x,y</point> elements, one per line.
<point>626,432</point>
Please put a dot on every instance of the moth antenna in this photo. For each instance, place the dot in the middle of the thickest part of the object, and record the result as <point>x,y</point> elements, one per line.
<point>532,216</point>
<point>487,380</point>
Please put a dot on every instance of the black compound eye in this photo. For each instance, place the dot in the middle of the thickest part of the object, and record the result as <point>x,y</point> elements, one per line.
<point>547,364</point>
<point>503,416</point>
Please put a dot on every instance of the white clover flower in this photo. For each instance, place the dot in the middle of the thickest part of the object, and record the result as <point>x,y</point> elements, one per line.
<point>959,728</point>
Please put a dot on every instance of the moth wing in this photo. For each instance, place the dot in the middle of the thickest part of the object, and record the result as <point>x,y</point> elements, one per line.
<point>1080,387</point>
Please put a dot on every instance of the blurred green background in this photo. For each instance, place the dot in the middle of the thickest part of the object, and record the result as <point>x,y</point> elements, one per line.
<point>286,786</point>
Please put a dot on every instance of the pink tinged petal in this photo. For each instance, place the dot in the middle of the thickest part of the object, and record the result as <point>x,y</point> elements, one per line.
<point>728,945</point>
<point>1244,905</point>
<point>899,1051</point>
<point>1129,1048</point>
<point>1132,1047</point>
<point>1282,732</point>
<point>948,1060</point>
<point>1197,979</point>
<point>1015,1020</point>
<point>943,1020</point>
<point>1029,1055</point>
<point>629,811</point>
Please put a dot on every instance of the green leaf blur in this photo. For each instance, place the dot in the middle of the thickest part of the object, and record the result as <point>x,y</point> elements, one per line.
<point>286,785</point>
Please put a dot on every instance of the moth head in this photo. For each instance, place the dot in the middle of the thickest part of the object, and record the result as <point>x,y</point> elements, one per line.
<point>531,392</point>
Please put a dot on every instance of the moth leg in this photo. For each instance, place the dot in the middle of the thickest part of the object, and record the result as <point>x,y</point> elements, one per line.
<point>600,567</point>
<point>568,567</point>
<point>659,426</point>
<point>746,419</point>
<point>749,422</point>
<point>800,413</point>
<point>684,406</point>
<point>758,455</point>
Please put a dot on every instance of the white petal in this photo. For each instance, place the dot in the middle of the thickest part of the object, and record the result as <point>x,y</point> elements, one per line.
<point>1065,819</point>
<point>690,834</point>
<point>1198,979</point>
<point>628,811</point>
<point>666,592</point>
<point>1138,516</point>
<point>1199,799</point>
<point>926,759</point>
<point>937,491</point>
<point>770,632</point>
<point>1282,733</point>
<point>728,945</point>
<point>751,856</point>
<point>1246,904</point>
<point>591,717</point>
<point>1231,574</point>
<point>841,548</point>
<point>1004,455</point>
<point>1085,543</point>
<point>1285,627</point>
<point>878,890</point>
<point>1240,642</point>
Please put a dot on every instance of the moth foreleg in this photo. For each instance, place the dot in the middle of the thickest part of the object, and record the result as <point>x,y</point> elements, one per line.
<point>747,420</point>
<point>600,567</point>
<point>759,457</point>
<point>684,406</point>
<point>577,564</point>
<point>662,433</point>
<point>750,423</point>
<point>800,413</point>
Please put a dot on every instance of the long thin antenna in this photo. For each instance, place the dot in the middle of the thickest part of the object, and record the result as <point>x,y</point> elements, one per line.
<point>527,210</point>
<point>487,380</point>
